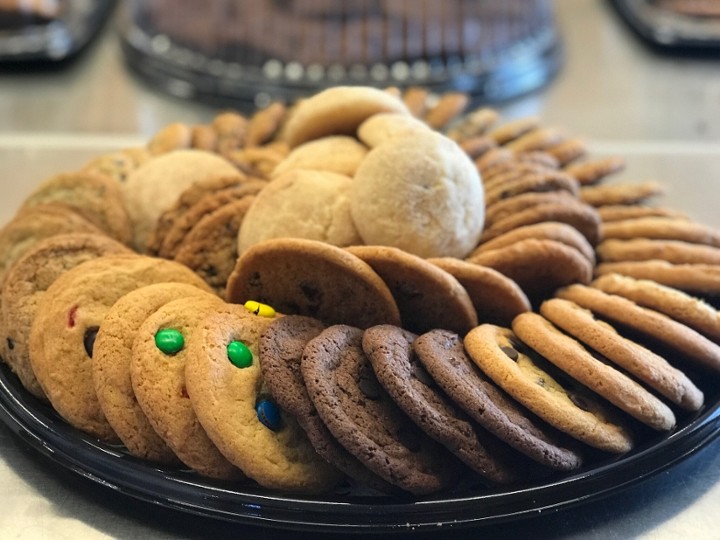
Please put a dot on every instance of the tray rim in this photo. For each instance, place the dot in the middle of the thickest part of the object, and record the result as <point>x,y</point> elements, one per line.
<point>39,426</point>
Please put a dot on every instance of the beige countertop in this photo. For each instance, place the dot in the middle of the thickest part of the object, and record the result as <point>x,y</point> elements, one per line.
<point>661,113</point>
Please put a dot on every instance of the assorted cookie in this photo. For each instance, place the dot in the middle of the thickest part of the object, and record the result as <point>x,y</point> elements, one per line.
<point>366,290</point>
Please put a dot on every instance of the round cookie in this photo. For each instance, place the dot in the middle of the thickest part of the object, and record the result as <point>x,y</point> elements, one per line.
<point>112,356</point>
<point>415,99</point>
<point>580,216</point>
<point>493,158</point>
<point>339,154</point>
<point>28,280</point>
<point>474,124</point>
<point>96,197</point>
<point>264,124</point>
<point>426,295</point>
<point>419,193</point>
<point>160,353</point>
<point>210,248</point>
<point>568,150</point>
<point>571,357</point>
<point>154,187</point>
<point>337,111</point>
<point>307,277</point>
<point>504,172</point>
<point>65,327</point>
<point>675,336</point>
<point>363,418</point>
<point>31,225</point>
<point>619,212</point>
<point>537,385</point>
<point>546,230</point>
<point>507,131</point>
<point>118,165</point>
<point>619,193</point>
<point>700,279</point>
<point>382,127</point>
<point>646,366</point>
<point>191,196</point>
<point>259,161</point>
<point>280,349</point>
<point>539,267</point>
<point>240,416</point>
<point>443,355</point>
<point>674,303</point>
<point>537,139</point>
<point>497,298</point>
<point>593,171</point>
<point>643,249</point>
<point>230,128</point>
<point>302,204</point>
<point>183,223</point>
<point>509,207</point>
<point>539,182</point>
<point>389,350</point>
<point>174,136</point>
<point>448,107</point>
<point>660,228</point>
<point>476,146</point>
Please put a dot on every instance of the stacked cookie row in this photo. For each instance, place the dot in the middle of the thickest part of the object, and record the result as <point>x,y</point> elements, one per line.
<point>436,311</point>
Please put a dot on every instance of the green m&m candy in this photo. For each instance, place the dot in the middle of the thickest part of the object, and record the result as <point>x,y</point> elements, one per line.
<point>239,354</point>
<point>169,341</point>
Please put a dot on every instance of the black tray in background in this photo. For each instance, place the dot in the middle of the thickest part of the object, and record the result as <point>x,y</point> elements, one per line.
<point>36,423</point>
<point>77,24</point>
<point>669,31</point>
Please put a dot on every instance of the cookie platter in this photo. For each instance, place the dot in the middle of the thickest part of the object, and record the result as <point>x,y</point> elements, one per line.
<point>41,428</point>
<point>477,298</point>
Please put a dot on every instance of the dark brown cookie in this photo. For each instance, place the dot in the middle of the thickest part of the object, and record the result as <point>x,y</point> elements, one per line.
<point>364,419</point>
<point>390,352</point>
<point>281,348</point>
<point>443,355</point>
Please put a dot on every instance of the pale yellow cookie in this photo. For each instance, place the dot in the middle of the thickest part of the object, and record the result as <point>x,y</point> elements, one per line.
<point>337,111</point>
<point>155,186</point>
<point>420,193</point>
<point>339,154</point>
<point>301,204</point>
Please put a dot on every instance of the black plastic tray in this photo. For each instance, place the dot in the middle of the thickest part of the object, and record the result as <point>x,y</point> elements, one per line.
<point>111,466</point>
